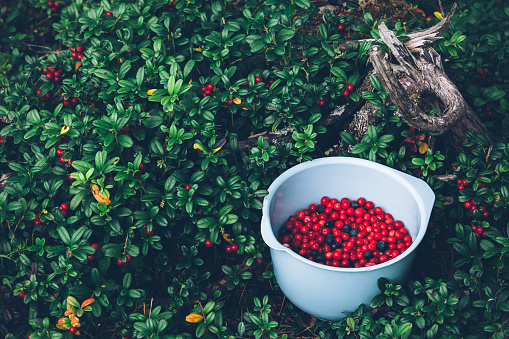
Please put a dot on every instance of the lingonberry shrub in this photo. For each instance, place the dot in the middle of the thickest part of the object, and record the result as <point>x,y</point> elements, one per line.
<point>135,165</point>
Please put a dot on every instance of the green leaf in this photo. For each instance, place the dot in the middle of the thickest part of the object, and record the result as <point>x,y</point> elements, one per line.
<point>359,148</point>
<point>64,235</point>
<point>285,34</point>
<point>125,141</point>
<point>302,3</point>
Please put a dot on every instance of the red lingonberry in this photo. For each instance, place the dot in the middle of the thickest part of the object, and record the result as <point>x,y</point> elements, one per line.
<point>49,76</point>
<point>208,243</point>
<point>258,79</point>
<point>346,93</point>
<point>350,87</point>
<point>64,206</point>
<point>74,54</point>
<point>210,86</point>
<point>321,102</point>
<point>90,257</point>
<point>109,13</point>
<point>341,27</point>
<point>79,49</point>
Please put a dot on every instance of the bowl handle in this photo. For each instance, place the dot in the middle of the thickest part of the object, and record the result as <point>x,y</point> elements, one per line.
<point>268,235</point>
<point>426,193</point>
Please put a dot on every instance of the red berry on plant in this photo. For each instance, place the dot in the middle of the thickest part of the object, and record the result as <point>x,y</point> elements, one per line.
<point>66,103</point>
<point>187,187</point>
<point>258,79</point>
<point>95,246</point>
<point>341,27</point>
<point>62,160</point>
<point>210,86</point>
<point>22,294</point>
<point>228,249</point>
<point>208,243</point>
<point>69,163</point>
<point>346,93</point>
<point>79,49</point>
<point>50,3</point>
<point>74,101</point>
<point>321,102</point>
<point>44,70</point>
<point>38,92</point>
<point>64,206</point>
<point>142,167</point>
<point>350,87</point>
<point>74,54</point>
<point>49,76</point>
<point>204,89</point>
<point>56,4</point>
<point>109,13</point>
<point>60,152</point>
<point>70,178</point>
<point>90,257</point>
<point>80,56</point>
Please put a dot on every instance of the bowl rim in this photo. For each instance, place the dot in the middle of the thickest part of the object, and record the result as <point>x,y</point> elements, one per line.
<point>394,174</point>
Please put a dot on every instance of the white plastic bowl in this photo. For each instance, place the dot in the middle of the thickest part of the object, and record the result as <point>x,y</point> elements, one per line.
<point>330,292</point>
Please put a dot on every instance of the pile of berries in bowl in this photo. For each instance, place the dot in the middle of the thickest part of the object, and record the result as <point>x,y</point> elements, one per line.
<point>345,233</point>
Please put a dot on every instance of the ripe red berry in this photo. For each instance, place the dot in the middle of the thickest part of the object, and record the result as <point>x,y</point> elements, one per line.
<point>57,79</point>
<point>49,76</point>
<point>50,69</point>
<point>50,3</point>
<point>142,167</point>
<point>62,160</point>
<point>208,243</point>
<point>74,101</point>
<point>120,262</point>
<point>128,258</point>
<point>350,87</point>
<point>258,79</point>
<point>22,294</point>
<point>38,92</point>
<point>79,49</point>
<point>210,86</point>
<point>95,246</point>
<point>204,89</point>
<point>56,74</point>
<point>60,152</point>
<point>70,178</point>
<point>37,222</point>
<point>44,70</point>
<point>187,187</point>
<point>80,56</point>
<point>341,27</point>
<point>228,249</point>
<point>346,93</point>
<point>246,84</point>
<point>208,92</point>
<point>56,4</point>
<point>64,206</point>
<point>90,257</point>
<point>66,103</point>
<point>69,163</point>
<point>74,54</point>
<point>109,13</point>
<point>321,102</point>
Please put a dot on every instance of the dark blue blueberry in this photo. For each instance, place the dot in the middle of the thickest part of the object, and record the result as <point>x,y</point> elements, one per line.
<point>382,246</point>
<point>313,253</point>
<point>329,239</point>
<point>353,232</point>
<point>283,231</point>
<point>320,257</point>
<point>320,209</point>
<point>354,204</point>
<point>346,229</point>
<point>334,246</point>
<point>368,255</point>
<point>328,224</point>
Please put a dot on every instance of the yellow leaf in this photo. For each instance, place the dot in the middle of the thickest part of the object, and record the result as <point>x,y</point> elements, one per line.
<point>78,65</point>
<point>197,146</point>
<point>438,15</point>
<point>219,145</point>
<point>87,302</point>
<point>228,238</point>
<point>151,91</point>
<point>100,197</point>
<point>198,49</point>
<point>64,130</point>
<point>423,147</point>
<point>69,311</point>
<point>194,318</point>
<point>62,327</point>
<point>61,321</point>
<point>237,101</point>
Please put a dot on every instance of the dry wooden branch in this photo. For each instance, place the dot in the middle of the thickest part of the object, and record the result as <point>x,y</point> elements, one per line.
<point>338,114</point>
<point>419,83</point>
